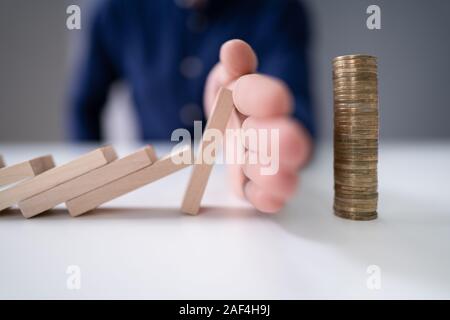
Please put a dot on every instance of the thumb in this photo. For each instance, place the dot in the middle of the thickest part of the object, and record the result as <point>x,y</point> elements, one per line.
<point>238,58</point>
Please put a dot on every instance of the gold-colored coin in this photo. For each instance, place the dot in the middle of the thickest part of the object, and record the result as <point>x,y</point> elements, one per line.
<point>356,98</point>
<point>366,216</point>
<point>356,174</point>
<point>356,119</point>
<point>349,81</point>
<point>341,156</point>
<point>355,90</point>
<point>353,157</point>
<point>355,82</point>
<point>356,133</point>
<point>346,85</point>
<point>354,127</point>
<point>356,136</point>
<point>339,188</point>
<point>342,127</point>
<point>357,145</point>
<point>343,71</point>
<point>354,65</point>
<point>356,107</point>
<point>354,76</point>
<point>355,57</point>
<point>352,182</point>
<point>357,124</point>
<point>344,196</point>
<point>352,209</point>
<point>349,113</point>
<point>341,145</point>
<point>358,63</point>
<point>339,165</point>
<point>367,201</point>
<point>366,205</point>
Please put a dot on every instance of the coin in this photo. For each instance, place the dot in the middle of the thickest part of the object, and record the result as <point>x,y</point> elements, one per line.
<point>352,209</point>
<point>355,57</point>
<point>355,89</point>
<point>359,216</point>
<point>354,65</point>
<point>355,82</point>
<point>356,130</point>
<point>359,196</point>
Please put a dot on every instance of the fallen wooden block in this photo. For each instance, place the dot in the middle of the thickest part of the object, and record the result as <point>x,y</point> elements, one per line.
<point>2,163</point>
<point>133,181</point>
<point>56,176</point>
<point>87,182</point>
<point>26,169</point>
<point>223,106</point>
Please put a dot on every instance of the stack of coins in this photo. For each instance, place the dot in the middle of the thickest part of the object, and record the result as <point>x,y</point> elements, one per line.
<point>355,137</point>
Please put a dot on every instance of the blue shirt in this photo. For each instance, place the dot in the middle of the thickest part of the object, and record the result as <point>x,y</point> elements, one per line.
<point>164,52</point>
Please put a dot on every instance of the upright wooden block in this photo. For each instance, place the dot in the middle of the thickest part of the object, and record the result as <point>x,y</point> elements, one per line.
<point>26,169</point>
<point>2,163</point>
<point>56,176</point>
<point>87,182</point>
<point>223,106</point>
<point>119,187</point>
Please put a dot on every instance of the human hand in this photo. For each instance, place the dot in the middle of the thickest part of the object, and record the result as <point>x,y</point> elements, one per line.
<point>262,102</point>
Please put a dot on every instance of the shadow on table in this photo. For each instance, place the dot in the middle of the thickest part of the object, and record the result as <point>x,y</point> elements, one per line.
<point>410,238</point>
<point>127,213</point>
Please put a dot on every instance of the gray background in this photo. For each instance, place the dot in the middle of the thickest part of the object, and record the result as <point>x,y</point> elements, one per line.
<point>412,46</point>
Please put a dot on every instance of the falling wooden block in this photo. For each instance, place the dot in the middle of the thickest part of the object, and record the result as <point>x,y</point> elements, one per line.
<point>87,182</point>
<point>223,106</point>
<point>26,169</point>
<point>2,163</point>
<point>133,181</point>
<point>56,176</point>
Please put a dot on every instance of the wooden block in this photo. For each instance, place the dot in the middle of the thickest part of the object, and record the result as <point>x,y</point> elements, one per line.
<point>119,187</point>
<point>223,106</point>
<point>2,163</point>
<point>56,176</point>
<point>26,169</point>
<point>87,182</point>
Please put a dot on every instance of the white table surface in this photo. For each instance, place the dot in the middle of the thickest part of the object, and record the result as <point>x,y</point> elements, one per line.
<point>141,246</point>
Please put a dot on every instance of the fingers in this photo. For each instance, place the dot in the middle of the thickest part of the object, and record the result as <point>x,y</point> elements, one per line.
<point>238,58</point>
<point>262,96</point>
<point>282,185</point>
<point>254,95</point>
<point>293,147</point>
<point>237,179</point>
<point>262,200</point>
<point>266,102</point>
<point>269,193</point>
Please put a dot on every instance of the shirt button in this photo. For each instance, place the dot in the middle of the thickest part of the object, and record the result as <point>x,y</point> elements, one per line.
<point>190,113</point>
<point>191,67</point>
